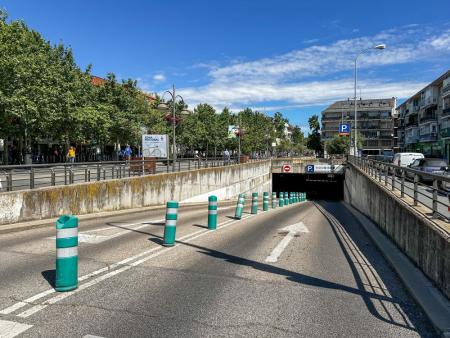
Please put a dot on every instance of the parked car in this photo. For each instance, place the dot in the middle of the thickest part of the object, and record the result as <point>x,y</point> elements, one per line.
<point>435,166</point>
<point>405,159</point>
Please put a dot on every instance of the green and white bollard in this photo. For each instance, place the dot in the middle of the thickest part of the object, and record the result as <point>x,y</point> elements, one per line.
<point>239,206</point>
<point>66,253</point>
<point>265,201</point>
<point>291,198</point>
<point>254,203</point>
<point>212,212</point>
<point>170,228</point>
<point>274,200</point>
<point>286,198</point>
<point>281,200</point>
<point>296,197</point>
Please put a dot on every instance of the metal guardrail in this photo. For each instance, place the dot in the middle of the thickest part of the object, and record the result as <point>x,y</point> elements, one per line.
<point>410,183</point>
<point>24,177</point>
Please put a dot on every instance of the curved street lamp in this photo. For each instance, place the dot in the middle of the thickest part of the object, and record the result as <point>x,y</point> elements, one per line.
<point>165,107</point>
<point>355,138</point>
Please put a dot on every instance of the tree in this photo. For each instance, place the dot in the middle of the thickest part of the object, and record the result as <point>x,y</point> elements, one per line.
<point>337,145</point>
<point>314,141</point>
<point>341,144</point>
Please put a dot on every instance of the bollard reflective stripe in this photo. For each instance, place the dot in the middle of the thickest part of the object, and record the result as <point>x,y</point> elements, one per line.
<point>254,209</point>
<point>281,200</point>
<point>265,201</point>
<point>240,206</point>
<point>66,253</point>
<point>171,223</point>
<point>274,200</point>
<point>212,212</point>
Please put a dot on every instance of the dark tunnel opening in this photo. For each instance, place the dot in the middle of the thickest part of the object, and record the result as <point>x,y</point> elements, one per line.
<point>316,186</point>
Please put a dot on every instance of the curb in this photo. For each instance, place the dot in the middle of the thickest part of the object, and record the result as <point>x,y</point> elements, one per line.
<point>435,305</point>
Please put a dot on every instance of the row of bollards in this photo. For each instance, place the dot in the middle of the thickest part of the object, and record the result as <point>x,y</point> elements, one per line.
<point>67,231</point>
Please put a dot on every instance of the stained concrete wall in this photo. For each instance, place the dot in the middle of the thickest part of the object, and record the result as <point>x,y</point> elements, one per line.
<point>426,244</point>
<point>189,186</point>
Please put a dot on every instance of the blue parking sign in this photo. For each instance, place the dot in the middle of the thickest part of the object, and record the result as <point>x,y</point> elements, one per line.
<point>344,129</point>
<point>310,168</point>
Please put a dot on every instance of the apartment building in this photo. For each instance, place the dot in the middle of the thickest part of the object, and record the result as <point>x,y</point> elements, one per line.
<point>375,122</point>
<point>424,120</point>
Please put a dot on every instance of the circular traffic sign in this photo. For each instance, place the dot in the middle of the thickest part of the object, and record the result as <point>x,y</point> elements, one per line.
<point>287,168</point>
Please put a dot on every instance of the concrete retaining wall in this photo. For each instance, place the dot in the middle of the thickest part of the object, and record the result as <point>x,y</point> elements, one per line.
<point>421,240</point>
<point>189,186</point>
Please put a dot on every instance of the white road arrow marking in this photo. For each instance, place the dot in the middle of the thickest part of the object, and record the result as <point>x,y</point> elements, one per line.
<point>291,230</point>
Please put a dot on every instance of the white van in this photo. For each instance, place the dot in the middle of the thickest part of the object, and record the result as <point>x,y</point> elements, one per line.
<point>405,159</point>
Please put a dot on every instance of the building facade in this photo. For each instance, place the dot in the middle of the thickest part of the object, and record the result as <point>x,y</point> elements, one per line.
<point>424,120</point>
<point>376,123</point>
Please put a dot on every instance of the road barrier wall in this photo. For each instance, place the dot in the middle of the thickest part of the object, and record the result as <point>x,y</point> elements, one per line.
<point>134,192</point>
<point>426,242</point>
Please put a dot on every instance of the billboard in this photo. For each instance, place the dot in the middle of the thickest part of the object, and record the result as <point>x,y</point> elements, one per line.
<point>155,146</point>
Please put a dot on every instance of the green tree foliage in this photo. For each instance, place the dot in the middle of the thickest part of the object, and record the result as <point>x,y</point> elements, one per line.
<point>337,145</point>
<point>46,97</point>
<point>314,141</point>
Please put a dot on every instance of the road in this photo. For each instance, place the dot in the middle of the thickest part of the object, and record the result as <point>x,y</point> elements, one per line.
<point>319,277</point>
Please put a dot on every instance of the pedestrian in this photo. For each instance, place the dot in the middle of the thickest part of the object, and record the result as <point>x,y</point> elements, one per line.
<point>127,152</point>
<point>71,154</point>
<point>226,155</point>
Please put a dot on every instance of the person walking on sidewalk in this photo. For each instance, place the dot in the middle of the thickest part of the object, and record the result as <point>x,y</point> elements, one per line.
<point>71,154</point>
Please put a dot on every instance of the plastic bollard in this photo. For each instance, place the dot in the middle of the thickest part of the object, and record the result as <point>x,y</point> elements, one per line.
<point>265,201</point>
<point>286,198</point>
<point>254,208</point>
<point>66,253</point>
<point>274,200</point>
<point>281,200</point>
<point>212,212</point>
<point>170,228</point>
<point>239,206</point>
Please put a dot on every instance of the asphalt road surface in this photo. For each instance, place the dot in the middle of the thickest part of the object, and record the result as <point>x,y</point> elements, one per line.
<point>304,270</point>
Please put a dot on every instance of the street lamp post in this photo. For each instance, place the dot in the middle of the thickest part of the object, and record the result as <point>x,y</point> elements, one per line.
<point>355,138</point>
<point>164,107</point>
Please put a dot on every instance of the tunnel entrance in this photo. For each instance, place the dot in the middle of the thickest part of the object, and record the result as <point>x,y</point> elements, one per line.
<point>316,186</point>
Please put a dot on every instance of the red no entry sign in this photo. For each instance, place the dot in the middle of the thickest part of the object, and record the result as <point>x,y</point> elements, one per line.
<point>287,168</point>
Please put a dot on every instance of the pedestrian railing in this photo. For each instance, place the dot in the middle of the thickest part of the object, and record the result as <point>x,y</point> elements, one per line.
<point>425,189</point>
<point>23,177</point>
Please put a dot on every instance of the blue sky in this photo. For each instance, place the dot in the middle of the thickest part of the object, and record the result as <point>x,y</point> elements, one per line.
<point>290,56</point>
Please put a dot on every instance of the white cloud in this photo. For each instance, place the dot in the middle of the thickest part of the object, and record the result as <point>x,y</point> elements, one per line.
<point>295,95</point>
<point>159,77</point>
<point>320,74</point>
<point>442,42</point>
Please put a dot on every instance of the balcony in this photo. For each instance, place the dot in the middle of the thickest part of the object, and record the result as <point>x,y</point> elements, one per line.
<point>427,118</point>
<point>410,124</point>
<point>411,139</point>
<point>445,132</point>
<point>446,90</point>
<point>430,101</point>
<point>446,112</point>
<point>428,137</point>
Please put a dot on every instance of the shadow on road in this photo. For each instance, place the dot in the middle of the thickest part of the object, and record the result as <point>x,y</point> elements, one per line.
<point>370,293</point>
<point>50,277</point>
